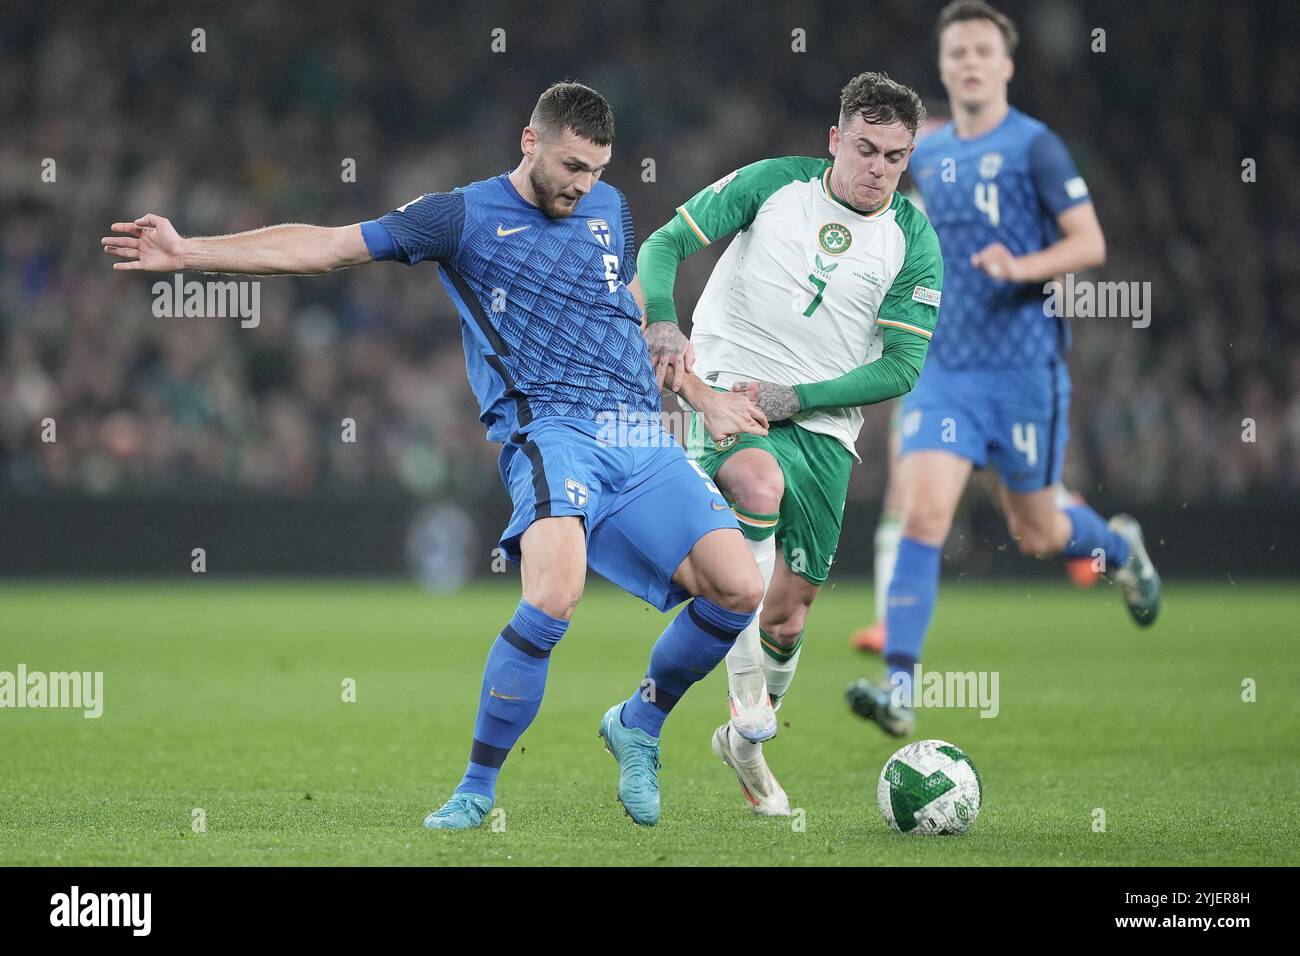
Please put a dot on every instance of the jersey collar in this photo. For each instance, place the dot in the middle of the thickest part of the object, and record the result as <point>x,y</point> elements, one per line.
<point>830,194</point>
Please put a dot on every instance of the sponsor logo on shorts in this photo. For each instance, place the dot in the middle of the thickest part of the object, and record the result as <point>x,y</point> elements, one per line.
<point>722,444</point>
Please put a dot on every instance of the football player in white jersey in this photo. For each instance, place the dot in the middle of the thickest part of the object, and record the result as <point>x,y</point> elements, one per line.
<point>825,301</point>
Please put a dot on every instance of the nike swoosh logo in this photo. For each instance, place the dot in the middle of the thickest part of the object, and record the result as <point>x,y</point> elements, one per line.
<point>493,693</point>
<point>502,231</point>
<point>718,507</point>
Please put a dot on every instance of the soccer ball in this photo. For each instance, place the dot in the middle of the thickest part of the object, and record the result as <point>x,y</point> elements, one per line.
<point>930,787</point>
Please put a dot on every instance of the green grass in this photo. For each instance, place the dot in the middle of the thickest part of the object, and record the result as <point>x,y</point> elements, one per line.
<point>227,697</point>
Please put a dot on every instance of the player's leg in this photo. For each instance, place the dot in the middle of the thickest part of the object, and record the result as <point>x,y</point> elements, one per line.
<point>781,627</point>
<point>815,469</point>
<point>548,537</point>
<point>1029,454</point>
<point>727,589</point>
<point>752,480</point>
<point>671,537</point>
<point>1042,528</point>
<point>1078,570</point>
<point>889,531</point>
<point>553,567</point>
<point>932,483</point>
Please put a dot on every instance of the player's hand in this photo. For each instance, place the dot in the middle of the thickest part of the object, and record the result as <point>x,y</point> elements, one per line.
<point>997,260</point>
<point>729,413</point>
<point>777,402</point>
<point>671,353</point>
<point>150,244</point>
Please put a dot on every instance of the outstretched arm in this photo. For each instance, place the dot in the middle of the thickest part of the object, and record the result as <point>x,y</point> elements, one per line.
<point>152,244</point>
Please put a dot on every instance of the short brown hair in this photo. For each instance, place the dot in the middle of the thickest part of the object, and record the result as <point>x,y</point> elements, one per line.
<point>960,10</point>
<point>880,100</point>
<point>573,106</point>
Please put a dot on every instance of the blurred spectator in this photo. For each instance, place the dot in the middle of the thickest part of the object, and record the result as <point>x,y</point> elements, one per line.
<point>256,130</point>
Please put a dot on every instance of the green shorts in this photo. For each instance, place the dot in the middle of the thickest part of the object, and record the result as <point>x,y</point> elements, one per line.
<point>816,469</point>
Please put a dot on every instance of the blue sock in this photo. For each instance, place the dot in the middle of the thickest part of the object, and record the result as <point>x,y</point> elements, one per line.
<point>513,683</point>
<point>912,592</point>
<point>686,651</point>
<point>1088,531</point>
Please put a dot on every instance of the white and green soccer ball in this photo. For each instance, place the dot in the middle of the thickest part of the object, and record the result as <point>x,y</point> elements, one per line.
<point>930,787</point>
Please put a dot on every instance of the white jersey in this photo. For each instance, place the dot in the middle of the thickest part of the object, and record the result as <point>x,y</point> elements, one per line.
<point>805,292</point>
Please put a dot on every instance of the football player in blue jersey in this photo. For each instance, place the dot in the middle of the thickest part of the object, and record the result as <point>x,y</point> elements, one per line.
<point>541,265</point>
<point>1012,213</point>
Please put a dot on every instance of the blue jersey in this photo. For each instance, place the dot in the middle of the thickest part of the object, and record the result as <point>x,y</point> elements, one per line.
<point>549,326</point>
<point>1006,186</point>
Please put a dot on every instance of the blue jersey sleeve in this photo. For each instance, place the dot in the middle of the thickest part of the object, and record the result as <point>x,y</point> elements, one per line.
<point>425,228</point>
<point>1057,180</point>
<point>628,268</point>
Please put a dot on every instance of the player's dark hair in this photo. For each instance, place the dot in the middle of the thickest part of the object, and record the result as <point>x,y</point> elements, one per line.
<point>572,106</point>
<point>881,101</point>
<point>960,10</point>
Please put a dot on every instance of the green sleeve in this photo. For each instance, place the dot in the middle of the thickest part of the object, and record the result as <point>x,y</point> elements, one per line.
<point>912,302</point>
<point>733,202</point>
<point>711,214</point>
<point>657,263</point>
<point>891,375</point>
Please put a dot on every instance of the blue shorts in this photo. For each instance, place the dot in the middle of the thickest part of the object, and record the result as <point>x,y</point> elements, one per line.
<point>1017,419</point>
<point>644,503</point>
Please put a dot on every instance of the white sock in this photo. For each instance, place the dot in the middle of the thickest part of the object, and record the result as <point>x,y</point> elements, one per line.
<point>779,675</point>
<point>746,656</point>
<point>888,533</point>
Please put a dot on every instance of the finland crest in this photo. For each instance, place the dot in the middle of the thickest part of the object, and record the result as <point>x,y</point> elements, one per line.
<point>600,229</point>
<point>576,491</point>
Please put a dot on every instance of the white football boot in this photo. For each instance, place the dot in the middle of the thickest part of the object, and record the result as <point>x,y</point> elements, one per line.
<point>760,788</point>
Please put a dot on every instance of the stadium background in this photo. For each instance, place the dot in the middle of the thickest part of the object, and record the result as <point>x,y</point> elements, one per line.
<point>177,433</point>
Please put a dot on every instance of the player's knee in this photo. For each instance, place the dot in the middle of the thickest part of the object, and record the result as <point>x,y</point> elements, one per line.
<point>739,588</point>
<point>926,522</point>
<point>1034,542</point>
<point>759,490</point>
<point>1031,538</point>
<point>556,601</point>
<point>784,627</point>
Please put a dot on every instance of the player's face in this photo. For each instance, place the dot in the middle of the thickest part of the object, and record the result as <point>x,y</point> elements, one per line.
<point>973,63</point>
<point>564,168</point>
<point>869,159</point>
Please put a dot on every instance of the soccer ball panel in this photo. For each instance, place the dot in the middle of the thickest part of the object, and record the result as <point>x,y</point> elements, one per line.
<point>930,787</point>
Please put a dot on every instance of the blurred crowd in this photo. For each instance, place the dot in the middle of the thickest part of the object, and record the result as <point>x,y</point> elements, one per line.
<point>258,127</point>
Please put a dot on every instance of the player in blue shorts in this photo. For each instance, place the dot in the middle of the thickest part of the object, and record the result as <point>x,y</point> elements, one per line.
<point>540,263</point>
<point>1011,213</point>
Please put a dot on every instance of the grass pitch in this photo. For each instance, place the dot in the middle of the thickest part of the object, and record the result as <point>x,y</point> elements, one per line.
<point>225,701</point>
